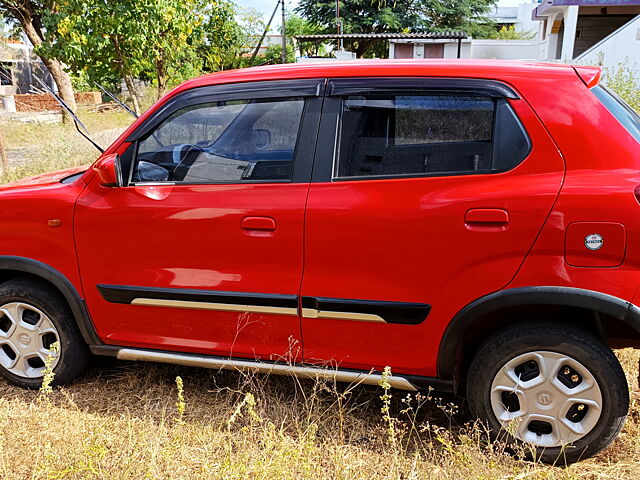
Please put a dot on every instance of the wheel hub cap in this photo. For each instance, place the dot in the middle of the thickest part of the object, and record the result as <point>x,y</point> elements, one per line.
<point>546,399</point>
<point>26,336</point>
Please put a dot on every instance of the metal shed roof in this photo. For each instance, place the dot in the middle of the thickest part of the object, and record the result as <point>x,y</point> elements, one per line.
<point>384,36</point>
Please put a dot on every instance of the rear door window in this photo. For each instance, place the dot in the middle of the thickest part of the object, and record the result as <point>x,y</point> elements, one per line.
<point>405,134</point>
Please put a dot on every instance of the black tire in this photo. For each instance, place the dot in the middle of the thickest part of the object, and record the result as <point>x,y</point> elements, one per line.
<point>74,353</point>
<point>583,347</point>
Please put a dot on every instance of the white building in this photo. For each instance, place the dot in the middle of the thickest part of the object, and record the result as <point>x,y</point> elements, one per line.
<point>605,32</point>
<point>519,17</point>
<point>589,32</point>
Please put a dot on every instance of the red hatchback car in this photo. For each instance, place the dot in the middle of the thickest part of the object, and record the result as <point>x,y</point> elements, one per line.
<point>470,224</point>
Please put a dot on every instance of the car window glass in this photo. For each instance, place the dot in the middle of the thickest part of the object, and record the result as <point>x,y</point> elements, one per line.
<point>222,142</point>
<point>388,135</point>
<point>619,109</point>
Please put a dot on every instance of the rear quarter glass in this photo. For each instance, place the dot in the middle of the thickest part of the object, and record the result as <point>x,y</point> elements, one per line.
<point>626,115</point>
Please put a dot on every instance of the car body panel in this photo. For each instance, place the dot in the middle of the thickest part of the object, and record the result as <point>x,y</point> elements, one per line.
<point>190,237</point>
<point>37,222</point>
<point>393,240</point>
<point>408,240</point>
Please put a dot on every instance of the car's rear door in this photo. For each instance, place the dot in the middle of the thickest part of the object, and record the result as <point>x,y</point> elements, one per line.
<point>426,194</point>
<point>201,251</point>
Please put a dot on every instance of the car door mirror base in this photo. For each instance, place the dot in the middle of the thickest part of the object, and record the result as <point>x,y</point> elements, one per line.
<point>109,171</point>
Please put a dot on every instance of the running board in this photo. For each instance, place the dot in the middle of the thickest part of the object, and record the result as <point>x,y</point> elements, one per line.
<point>324,373</point>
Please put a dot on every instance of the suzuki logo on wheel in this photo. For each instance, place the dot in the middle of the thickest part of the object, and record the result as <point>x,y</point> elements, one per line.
<point>24,339</point>
<point>545,399</point>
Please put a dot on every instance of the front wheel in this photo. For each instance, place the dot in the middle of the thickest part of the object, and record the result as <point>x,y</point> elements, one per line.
<point>33,317</point>
<point>558,390</point>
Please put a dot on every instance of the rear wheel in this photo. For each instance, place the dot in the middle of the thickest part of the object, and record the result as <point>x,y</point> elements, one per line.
<point>556,389</point>
<point>33,317</point>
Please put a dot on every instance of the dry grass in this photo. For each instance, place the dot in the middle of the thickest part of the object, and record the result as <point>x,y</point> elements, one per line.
<point>38,148</point>
<point>128,421</point>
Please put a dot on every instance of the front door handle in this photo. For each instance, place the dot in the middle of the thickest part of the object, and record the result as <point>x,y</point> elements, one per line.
<point>258,223</point>
<point>487,217</point>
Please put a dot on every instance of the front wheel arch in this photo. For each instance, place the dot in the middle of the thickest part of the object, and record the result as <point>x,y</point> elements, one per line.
<point>13,266</point>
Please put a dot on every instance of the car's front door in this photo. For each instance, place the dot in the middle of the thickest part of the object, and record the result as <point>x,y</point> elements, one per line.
<point>201,251</point>
<point>426,194</point>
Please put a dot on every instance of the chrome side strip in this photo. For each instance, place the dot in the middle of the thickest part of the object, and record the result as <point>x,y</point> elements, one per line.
<point>359,317</point>
<point>225,307</point>
<point>324,373</point>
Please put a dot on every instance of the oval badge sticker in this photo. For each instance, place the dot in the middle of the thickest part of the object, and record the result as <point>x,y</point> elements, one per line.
<point>594,241</point>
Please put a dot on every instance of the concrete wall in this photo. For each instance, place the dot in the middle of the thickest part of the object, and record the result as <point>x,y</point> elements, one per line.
<point>451,50</point>
<point>505,49</point>
<point>429,49</point>
<point>623,46</point>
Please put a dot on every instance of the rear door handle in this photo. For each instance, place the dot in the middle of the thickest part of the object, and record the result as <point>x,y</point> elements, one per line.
<point>258,223</point>
<point>487,217</point>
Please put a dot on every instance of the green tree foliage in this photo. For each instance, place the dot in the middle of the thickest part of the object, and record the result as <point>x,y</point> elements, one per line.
<point>9,28</point>
<point>465,15</point>
<point>381,16</point>
<point>163,40</point>
<point>625,82</point>
<point>296,25</point>
<point>274,55</point>
<point>222,40</point>
<point>361,16</point>
<point>29,15</point>
<point>508,33</point>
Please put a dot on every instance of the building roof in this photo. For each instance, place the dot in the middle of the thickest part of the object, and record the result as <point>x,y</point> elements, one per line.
<point>547,4</point>
<point>384,36</point>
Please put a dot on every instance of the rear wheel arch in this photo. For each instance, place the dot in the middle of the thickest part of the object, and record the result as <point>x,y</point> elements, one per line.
<point>610,318</point>
<point>13,267</point>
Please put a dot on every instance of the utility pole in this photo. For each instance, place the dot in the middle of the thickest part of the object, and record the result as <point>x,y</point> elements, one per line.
<point>264,34</point>
<point>339,25</point>
<point>284,35</point>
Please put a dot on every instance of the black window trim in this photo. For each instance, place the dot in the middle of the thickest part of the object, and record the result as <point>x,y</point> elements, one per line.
<point>227,92</point>
<point>310,90</point>
<point>338,88</point>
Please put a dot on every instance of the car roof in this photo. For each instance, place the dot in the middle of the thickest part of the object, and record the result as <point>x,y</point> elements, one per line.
<point>427,67</point>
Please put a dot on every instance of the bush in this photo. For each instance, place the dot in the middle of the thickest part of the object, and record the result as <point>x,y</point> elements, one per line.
<point>624,82</point>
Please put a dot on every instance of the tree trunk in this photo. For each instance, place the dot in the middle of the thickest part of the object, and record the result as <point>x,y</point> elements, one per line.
<point>63,82</point>
<point>65,89</point>
<point>128,80</point>
<point>161,76</point>
<point>4,159</point>
<point>363,47</point>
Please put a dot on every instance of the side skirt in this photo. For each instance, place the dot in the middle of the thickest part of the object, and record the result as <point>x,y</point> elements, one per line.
<point>303,371</point>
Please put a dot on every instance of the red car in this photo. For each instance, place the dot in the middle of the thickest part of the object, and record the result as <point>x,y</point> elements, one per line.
<point>471,224</point>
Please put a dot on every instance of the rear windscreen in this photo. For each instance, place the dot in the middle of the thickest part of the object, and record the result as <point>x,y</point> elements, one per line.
<point>628,117</point>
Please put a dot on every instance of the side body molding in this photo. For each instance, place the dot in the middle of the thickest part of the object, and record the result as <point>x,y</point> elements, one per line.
<point>528,296</point>
<point>76,303</point>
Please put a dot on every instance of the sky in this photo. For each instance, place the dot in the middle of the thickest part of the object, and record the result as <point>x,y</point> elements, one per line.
<point>266,6</point>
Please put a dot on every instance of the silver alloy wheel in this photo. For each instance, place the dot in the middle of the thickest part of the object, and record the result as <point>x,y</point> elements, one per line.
<point>546,398</point>
<point>26,336</point>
